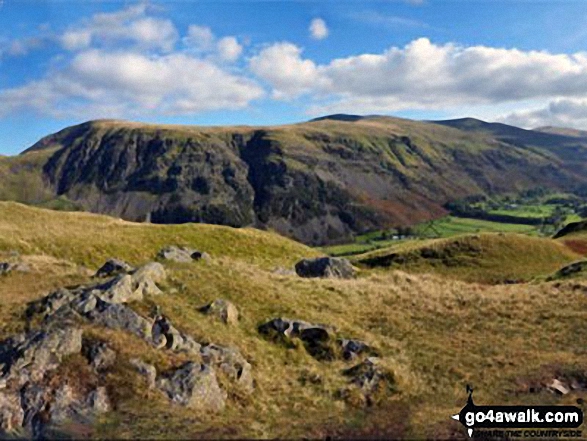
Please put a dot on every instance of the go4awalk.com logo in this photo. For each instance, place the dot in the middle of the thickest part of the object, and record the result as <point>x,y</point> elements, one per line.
<point>520,421</point>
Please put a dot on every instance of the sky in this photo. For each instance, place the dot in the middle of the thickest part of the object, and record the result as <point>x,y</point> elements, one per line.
<point>521,62</point>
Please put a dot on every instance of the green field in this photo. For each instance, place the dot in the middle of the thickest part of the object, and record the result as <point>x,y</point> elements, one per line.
<point>441,228</point>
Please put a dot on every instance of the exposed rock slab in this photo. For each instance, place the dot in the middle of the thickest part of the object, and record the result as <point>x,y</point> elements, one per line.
<point>114,267</point>
<point>222,309</point>
<point>182,254</point>
<point>195,386</point>
<point>325,267</point>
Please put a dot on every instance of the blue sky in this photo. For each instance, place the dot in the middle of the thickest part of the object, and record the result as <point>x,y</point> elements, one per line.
<point>272,62</point>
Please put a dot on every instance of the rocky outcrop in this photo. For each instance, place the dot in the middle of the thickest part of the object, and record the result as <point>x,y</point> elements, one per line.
<point>223,310</point>
<point>370,380</point>
<point>122,288</point>
<point>114,267</point>
<point>193,385</point>
<point>319,340</point>
<point>325,267</point>
<point>29,400</point>
<point>8,267</point>
<point>26,359</point>
<point>182,254</point>
<point>99,355</point>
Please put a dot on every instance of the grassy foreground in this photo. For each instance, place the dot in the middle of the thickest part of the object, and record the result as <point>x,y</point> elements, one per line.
<point>437,333</point>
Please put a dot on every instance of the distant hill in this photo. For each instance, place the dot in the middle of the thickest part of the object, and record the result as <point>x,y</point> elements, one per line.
<point>319,182</point>
<point>562,131</point>
<point>565,144</point>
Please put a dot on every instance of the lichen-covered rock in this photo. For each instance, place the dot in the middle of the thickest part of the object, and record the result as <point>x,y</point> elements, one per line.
<point>223,309</point>
<point>231,362</point>
<point>146,370</point>
<point>114,267</point>
<point>27,357</point>
<point>352,348</point>
<point>116,316</point>
<point>165,335</point>
<point>8,267</point>
<point>182,254</point>
<point>195,386</point>
<point>11,414</point>
<point>371,380</point>
<point>325,267</point>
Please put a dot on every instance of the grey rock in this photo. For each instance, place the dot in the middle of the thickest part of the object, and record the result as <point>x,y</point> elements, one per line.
<point>146,370</point>
<point>98,401</point>
<point>351,348</point>
<point>182,254</point>
<point>370,378</point>
<point>231,362</point>
<point>8,267</point>
<point>28,357</point>
<point>116,316</point>
<point>99,355</point>
<point>114,267</point>
<point>11,414</point>
<point>223,309</point>
<point>165,335</point>
<point>118,290</point>
<point>195,386</point>
<point>325,267</point>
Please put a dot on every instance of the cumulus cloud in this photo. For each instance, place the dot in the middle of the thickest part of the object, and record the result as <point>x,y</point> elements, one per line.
<point>281,65</point>
<point>422,75</point>
<point>127,63</point>
<point>558,113</point>
<point>201,39</point>
<point>117,84</point>
<point>318,29</point>
<point>131,25</point>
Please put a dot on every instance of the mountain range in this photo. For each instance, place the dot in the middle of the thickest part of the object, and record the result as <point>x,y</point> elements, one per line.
<point>319,182</point>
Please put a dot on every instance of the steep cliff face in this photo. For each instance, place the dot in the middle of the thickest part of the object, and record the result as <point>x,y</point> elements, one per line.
<point>318,182</point>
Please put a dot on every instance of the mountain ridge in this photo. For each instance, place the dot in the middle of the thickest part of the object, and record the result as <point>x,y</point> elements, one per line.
<point>318,182</point>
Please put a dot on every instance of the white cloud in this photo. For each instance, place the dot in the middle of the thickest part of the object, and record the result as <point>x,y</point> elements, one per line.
<point>422,75</point>
<point>131,25</point>
<point>318,29</point>
<point>105,84</point>
<point>229,48</point>
<point>199,38</point>
<point>558,113</point>
<point>283,68</point>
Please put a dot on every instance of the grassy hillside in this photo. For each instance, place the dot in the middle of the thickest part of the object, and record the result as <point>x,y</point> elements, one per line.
<point>437,334</point>
<point>320,182</point>
<point>485,258</point>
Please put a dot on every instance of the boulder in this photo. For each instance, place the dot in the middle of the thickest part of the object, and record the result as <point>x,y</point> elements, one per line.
<point>182,254</point>
<point>8,267</point>
<point>195,386</point>
<point>231,362</point>
<point>370,379</point>
<point>116,316</point>
<point>351,348</point>
<point>99,355</point>
<point>146,370</point>
<point>223,309</point>
<point>316,338</point>
<point>27,357</point>
<point>165,335</point>
<point>325,267</point>
<point>11,414</point>
<point>114,267</point>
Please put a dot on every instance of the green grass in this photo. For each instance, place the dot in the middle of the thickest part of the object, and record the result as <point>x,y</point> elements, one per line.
<point>438,334</point>
<point>527,211</point>
<point>485,258</point>
<point>448,226</point>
